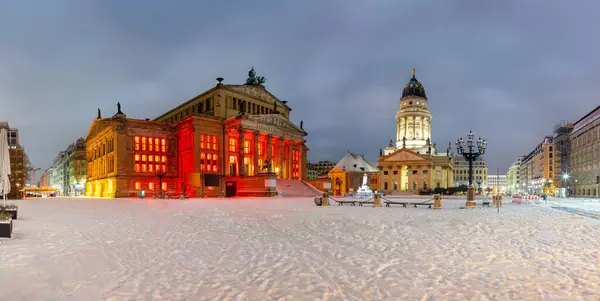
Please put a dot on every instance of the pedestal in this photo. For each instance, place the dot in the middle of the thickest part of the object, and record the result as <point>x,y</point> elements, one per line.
<point>437,201</point>
<point>471,197</point>
<point>377,200</point>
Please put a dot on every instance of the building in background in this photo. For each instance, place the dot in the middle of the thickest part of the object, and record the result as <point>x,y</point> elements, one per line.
<point>312,174</point>
<point>45,178</point>
<point>562,157</point>
<point>411,163</point>
<point>19,162</point>
<point>221,142</point>
<point>347,175</point>
<point>322,167</point>
<point>585,155</point>
<point>68,171</point>
<point>480,173</point>
<point>537,169</point>
<point>513,177</point>
<point>497,184</point>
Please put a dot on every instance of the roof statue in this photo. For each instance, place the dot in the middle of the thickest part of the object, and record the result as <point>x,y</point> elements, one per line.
<point>428,141</point>
<point>119,108</point>
<point>301,124</point>
<point>253,79</point>
<point>404,142</point>
<point>435,148</point>
<point>391,144</point>
<point>99,114</point>
<point>414,71</point>
<point>275,107</point>
<point>380,152</point>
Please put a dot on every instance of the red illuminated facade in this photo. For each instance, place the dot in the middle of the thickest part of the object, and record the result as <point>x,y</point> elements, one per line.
<point>215,144</point>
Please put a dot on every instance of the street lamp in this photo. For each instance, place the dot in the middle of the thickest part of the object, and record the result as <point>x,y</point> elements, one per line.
<point>160,173</point>
<point>471,153</point>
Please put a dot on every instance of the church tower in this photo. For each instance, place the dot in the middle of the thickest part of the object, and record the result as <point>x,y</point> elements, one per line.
<point>413,119</point>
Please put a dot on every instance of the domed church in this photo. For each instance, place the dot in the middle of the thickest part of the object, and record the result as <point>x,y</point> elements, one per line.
<point>411,163</point>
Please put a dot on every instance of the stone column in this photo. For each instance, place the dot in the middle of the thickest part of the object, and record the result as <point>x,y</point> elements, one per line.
<point>270,151</point>
<point>281,157</point>
<point>196,152</point>
<point>303,163</point>
<point>256,164</point>
<point>291,160</point>
<point>241,151</point>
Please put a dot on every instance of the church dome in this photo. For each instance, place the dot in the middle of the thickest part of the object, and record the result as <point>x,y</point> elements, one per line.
<point>414,88</point>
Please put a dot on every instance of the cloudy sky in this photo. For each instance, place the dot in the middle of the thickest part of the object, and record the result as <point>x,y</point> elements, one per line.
<point>508,70</point>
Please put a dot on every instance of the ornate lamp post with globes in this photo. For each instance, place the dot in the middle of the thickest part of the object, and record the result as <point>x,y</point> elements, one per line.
<point>470,153</point>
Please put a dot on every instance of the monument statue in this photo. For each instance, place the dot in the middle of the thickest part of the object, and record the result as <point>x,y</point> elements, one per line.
<point>99,114</point>
<point>119,108</point>
<point>403,142</point>
<point>266,166</point>
<point>364,191</point>
<point>380,152</point>
<point>301,124</point>
<point>253,79</point>
<point>275,107</point>
<point>391,143</point>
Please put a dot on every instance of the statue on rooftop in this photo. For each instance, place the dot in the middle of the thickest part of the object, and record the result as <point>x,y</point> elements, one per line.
<point>403,142</point>
<point>119,108</point>
<point>301,124</point>
<point>99,114</point>
<point>253,79</point>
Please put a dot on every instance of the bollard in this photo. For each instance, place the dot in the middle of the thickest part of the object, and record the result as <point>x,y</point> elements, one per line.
<point>377,200</point>
<point>437,201</point>
<point>499,201</point>
<point>325,201</point>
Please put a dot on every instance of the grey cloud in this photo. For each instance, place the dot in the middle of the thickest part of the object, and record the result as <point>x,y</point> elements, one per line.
<point>506,69</point>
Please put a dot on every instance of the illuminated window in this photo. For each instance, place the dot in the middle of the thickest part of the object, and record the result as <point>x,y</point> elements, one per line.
<point>232,145</point>
<point>145,162</point>
<point>164,186</point>
<point>151,184</point>
<point>246,147</point>
<point>260,149</point>
<point>138,186</point>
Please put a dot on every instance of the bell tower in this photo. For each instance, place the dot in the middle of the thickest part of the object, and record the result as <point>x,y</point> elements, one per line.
<point>413,119</point>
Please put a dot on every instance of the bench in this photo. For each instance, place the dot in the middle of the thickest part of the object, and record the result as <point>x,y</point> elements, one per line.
<point>341,203</point>
<point>387,203</point>
<point>360,203</point>
<point>427,203</point>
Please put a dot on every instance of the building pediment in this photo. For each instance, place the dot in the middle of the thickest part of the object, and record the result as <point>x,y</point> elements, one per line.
<point>276,120</point>
<point>404,155</point>
<point>255,91</point>
<point>97,126</point>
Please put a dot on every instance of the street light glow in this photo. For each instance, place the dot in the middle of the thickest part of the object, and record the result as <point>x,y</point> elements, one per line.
<point>565,176</point>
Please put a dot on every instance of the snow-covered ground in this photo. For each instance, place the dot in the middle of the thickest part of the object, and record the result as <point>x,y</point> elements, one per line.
<point>289,249</point>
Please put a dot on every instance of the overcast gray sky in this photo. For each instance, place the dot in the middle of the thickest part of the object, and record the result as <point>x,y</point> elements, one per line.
<point>508,70</point>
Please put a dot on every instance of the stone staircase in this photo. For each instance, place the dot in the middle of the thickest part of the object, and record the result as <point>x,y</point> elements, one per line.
<point>296,188</point>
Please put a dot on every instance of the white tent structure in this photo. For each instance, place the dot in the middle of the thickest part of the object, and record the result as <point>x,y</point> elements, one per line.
<point>4,165</point>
